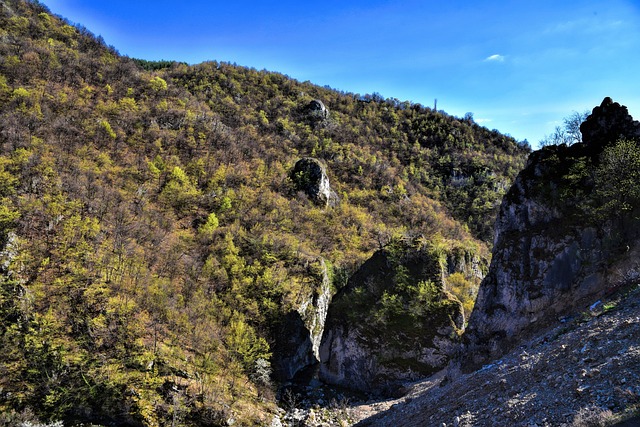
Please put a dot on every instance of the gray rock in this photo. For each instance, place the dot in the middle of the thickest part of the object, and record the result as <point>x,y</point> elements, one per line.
<point>317,110</point>
<point>310,175</point>
<point>607,123</point>
<point>549,261</point>
<point>298,339</point>
<point>380,333</point>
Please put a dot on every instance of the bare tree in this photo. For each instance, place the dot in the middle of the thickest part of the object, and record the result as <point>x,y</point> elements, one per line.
<point>569,133</point>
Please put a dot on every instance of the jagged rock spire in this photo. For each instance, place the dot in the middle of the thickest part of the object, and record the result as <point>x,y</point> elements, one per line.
<point>607,123</point>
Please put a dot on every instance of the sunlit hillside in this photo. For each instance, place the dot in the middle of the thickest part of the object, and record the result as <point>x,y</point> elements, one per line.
<point>152,237</point>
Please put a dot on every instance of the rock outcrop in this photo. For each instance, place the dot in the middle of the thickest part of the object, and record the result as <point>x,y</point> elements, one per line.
<point>317,110</point>
<point>467,262</point>
<point>583,372</point>
<point>392,323</point>
<point>310,176</point>
<point>608,121</point>
<point>298,338</point>
<point>556,249</point>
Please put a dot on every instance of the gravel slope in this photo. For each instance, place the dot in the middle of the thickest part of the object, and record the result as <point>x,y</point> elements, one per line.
<point>583,372</point>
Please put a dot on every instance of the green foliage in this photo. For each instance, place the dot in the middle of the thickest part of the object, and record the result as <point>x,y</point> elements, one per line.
<point>21,93</point>
<point>592,188</point>
<point>8,182</point>
<point>465,291</point>
<point>616,180</point>
<point>180,192</point>
<point>158,84</point>
<point>149,236</point>
<point>415,300</point>
<point>154,65</point>
<point>246,345</point>
<point>402,289</point>
<point>108,129</point>
<point>207,229</point>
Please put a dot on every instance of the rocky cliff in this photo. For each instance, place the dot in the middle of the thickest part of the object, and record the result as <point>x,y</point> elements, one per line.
<point>392,323</point>
<point>310,176</point>
<point>299,334</point>
<point>563,236</point>
<point>583,372</point>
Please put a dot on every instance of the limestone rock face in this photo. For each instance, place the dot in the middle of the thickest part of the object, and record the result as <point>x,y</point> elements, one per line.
<point>392,323</point>
<point>317,110</point>
<point>310,176</point>
<point>467,262</point>
<point>298,339</point>
<point>292,351</point>
<point>553,255</point>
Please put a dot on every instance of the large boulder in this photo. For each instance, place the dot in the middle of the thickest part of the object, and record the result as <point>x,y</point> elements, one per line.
<point>310,176</point>
<point>392,323</point>
<point>607,123</point>
<point>316,110</point>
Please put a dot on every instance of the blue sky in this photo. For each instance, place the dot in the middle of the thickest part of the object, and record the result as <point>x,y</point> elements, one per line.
<point>518,66</point>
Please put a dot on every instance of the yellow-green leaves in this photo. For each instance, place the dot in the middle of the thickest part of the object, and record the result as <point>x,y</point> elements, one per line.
<point>8,212</point>
<point>157,84</point>
<point>106,126</point>
<point>245,344</point>
<point>617,179</point>
<point>206,230</point>
<point>180,192</point>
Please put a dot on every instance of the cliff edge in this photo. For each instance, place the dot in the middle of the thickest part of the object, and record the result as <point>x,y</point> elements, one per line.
<point>564,235</point>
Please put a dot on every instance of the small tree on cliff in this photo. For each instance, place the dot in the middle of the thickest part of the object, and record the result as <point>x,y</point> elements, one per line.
<point>569,133</point>
<point>617,179</point>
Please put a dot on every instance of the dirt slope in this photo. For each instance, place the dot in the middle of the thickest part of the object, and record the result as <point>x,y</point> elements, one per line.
<point>585,371</point>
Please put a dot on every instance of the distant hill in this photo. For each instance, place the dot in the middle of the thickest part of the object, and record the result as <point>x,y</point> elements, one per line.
<point>153,238</point>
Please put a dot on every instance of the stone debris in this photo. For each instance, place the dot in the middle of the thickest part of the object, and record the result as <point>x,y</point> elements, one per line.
<point>575,374</point>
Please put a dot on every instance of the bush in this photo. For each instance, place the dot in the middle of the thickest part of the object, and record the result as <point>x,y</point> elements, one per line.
<point>592,416</point>
<point>616,179</point>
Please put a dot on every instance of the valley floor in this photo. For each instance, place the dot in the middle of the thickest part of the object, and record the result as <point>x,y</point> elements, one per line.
<point>584,372</point>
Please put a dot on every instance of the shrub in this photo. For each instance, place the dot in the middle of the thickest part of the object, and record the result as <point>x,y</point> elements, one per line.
<point>592,416</point>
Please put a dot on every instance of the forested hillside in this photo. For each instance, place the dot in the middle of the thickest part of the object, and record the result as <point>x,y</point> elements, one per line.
<point>151,235</point>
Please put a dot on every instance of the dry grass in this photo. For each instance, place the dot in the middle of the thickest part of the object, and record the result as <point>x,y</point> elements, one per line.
<point>592,416</point>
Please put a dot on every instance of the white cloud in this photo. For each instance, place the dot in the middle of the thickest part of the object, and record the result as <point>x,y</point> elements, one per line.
<point>481,121</point>
<point>494,58</point>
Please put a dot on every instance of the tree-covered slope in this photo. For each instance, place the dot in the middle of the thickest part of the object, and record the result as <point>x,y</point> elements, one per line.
<point>151,238</point>
<point>549,341</point>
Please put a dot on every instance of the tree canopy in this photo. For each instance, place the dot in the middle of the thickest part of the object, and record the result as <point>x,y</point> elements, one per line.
<point>150,234</point>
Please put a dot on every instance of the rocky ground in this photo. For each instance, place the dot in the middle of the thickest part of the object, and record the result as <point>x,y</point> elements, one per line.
<point>583,372</point>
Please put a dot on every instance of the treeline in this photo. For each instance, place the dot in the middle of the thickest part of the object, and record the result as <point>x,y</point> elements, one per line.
<point>151,238</point>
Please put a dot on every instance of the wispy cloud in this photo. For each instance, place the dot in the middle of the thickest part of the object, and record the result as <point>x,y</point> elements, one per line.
<point>588,25</point>
<point>494,58</point>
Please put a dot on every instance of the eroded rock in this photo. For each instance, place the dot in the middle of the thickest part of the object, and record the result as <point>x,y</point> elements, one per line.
<point>298,337</point>
<point>392,323</point>
<point>310,176</point>
<point>317,110</point>
<point>554,252</point>
<point>607,123</point>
